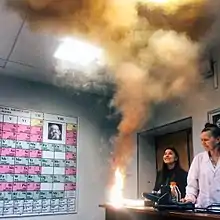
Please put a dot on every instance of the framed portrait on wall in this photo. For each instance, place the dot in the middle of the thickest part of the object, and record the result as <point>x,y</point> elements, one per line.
<point>214,117</point>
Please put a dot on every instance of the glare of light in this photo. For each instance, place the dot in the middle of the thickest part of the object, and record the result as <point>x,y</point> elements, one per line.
<point>159,1</point>
<point>133,202</point>
<point>169,3</point>
<point>154,1</point>
<point>116,194</point>
<point>78,52</point>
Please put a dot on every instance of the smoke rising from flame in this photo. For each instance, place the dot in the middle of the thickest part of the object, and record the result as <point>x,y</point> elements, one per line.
<point>172,70</point>
<point>152,48</point>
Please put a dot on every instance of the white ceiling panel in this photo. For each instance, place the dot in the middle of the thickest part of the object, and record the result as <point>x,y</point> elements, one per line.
<point>35,49</point>
<point>10,24</point>
<point>26,72</point>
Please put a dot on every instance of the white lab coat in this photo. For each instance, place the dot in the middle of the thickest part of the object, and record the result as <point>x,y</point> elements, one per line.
<point>203,181</point>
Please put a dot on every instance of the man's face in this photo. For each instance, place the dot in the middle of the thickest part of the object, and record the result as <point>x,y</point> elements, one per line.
<point>55,132</point>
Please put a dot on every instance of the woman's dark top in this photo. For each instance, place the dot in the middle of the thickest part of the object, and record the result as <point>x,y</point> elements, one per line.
<point>177,175</point>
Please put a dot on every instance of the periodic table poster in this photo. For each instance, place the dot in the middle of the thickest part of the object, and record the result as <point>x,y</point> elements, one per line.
<point>38,163</point>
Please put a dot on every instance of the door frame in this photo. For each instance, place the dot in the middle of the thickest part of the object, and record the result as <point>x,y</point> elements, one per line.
<point>188,132</point>
<point>154,129</point>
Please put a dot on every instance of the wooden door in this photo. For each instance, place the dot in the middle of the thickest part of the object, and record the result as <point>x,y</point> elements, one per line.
<point>181,141</point>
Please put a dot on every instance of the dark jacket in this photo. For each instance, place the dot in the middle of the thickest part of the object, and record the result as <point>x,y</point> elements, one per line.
<point>177,175</point>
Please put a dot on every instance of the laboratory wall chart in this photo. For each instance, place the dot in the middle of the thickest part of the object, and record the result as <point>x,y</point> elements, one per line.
<point>38,163</point>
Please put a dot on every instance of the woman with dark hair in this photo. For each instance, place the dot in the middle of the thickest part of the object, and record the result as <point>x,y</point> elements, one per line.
<point>171,172</point>
<point>203,182</point>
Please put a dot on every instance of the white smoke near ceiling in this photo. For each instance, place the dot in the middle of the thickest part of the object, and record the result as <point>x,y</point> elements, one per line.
<point>96,79</point>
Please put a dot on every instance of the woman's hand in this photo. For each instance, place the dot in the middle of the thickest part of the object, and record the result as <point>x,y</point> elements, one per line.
<point>186,200</point>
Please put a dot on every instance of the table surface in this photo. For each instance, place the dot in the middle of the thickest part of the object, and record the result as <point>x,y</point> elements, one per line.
<point>152,211</point>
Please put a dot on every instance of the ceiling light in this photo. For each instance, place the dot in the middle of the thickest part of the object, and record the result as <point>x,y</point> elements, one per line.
<point>78,52</point>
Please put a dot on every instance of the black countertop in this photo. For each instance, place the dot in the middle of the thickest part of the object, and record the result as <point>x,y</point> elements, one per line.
<point>152,212</point>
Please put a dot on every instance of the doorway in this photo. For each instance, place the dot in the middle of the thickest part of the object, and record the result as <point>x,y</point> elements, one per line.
<point>181,141</point>
<point>150,147</point>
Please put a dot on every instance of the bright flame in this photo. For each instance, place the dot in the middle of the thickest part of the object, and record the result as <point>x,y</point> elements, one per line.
<point>116,194</point>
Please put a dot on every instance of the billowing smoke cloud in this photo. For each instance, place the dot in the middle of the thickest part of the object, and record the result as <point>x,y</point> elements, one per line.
<point>153,50</point>
<point>172,71</point>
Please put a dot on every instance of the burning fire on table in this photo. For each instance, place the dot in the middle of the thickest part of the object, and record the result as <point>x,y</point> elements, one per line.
<point>116,193</point>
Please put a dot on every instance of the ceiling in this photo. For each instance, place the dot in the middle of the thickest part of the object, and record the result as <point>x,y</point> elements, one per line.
<point>26,54</point>
<point>23,53</point>
<point>29,55</point>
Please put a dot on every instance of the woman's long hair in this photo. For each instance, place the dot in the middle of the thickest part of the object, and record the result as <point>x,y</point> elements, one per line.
<point>165,169</point>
